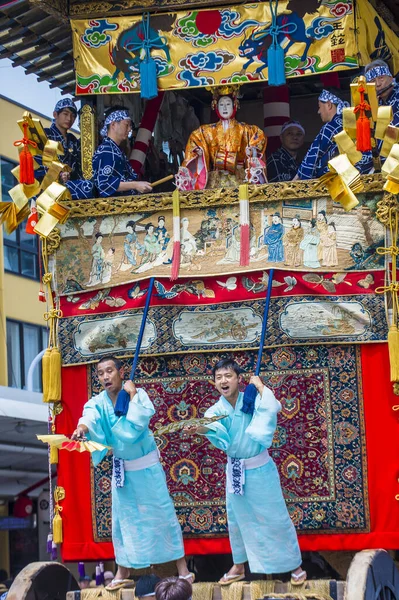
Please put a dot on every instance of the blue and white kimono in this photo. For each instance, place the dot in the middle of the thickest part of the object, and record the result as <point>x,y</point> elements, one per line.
<point>71,156</point>
<point>110,168</point>
<point>281,166</point>
<point>323,149</point>
<point>393,101</point>
<point>260,528</point>
<point>71,146</point>
<point>145,529</point>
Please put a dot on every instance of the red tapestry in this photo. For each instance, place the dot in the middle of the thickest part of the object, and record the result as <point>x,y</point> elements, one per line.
<point>382,445</point>
<point>216,314</point>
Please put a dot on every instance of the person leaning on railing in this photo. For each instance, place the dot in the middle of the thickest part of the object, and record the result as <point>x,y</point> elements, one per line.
<point>112,173</point>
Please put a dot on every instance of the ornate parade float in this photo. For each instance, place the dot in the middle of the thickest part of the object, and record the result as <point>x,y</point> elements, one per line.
<point>327,249</point>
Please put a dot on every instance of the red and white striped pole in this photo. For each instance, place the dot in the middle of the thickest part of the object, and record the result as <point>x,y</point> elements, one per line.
<point>142,141</point>
<point>276,111</point>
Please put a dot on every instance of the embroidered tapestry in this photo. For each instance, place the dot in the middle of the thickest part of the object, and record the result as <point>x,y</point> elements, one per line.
<point>195,315</point>
<point>200,48</point>
<point>304,235</point>
<point>319,446</point>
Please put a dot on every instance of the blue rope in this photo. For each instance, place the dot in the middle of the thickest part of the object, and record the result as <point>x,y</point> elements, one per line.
<point>274,30</point>
<point>147,43</point>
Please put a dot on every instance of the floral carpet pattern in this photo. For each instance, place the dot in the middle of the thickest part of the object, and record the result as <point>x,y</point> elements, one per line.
<point>319,445</point>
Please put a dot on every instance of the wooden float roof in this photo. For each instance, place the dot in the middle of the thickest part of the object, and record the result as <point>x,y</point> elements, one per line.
<point>36,34</point>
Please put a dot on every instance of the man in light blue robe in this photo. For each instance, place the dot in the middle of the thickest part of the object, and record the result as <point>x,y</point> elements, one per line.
<point>260,529</point>
<point>145,529</point>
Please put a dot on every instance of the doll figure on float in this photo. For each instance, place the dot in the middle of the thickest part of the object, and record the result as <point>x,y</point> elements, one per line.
<point>226,153</point>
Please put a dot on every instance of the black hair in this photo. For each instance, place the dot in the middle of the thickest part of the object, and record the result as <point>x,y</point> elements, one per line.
<point>146,585</point>
<point>99,234</point>
<point>322,212</point>
<point>173,588</point>
<point>333,225</point>
<point>313,222</point>
<point>113,250</point>
<point>3,575</point>
<point>298,218</point>
<point>148,226</point>
<point>117,362</point>
<point>226,363</point>
<point>131,224</point>
<point>161,217</point>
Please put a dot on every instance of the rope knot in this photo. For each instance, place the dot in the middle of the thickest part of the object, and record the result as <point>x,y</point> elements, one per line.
<point>393,250</point>
<point>25,140</point>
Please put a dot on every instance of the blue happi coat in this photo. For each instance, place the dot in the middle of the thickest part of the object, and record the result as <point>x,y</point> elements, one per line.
<point>323,149</point>
<point>260,528</point>
<point>110,167</point>
<point>393,101</point>
<point>145,529</point>
<point>70,157</point>
<point>71,146</point>
<point>281,166</point>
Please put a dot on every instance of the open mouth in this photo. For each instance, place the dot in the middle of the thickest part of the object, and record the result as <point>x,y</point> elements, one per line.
<point>107,384</point>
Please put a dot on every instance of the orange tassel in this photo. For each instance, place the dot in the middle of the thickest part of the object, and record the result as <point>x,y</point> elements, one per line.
<point>26,172</point>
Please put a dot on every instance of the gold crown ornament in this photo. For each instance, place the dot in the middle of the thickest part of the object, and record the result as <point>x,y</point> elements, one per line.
<point>224,90</point>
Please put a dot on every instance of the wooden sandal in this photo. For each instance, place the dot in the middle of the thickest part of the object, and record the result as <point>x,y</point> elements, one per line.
<point>298,578</point>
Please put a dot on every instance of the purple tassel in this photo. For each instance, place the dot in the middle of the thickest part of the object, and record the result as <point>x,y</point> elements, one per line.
<point>98,575</point>
<point>49,543</point>
<point>54,551</point>
<point>81,570</point>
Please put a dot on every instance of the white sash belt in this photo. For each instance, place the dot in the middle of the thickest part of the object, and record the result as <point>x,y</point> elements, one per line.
<point>236,468</point>
<point>121,465</point>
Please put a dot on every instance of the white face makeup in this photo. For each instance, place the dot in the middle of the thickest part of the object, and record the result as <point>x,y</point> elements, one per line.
<point>225,107</point>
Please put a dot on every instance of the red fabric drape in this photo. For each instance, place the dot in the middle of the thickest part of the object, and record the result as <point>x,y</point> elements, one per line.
<point>382,441</point>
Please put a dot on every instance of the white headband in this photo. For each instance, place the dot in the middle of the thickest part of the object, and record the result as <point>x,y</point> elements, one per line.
<point>115,116</point>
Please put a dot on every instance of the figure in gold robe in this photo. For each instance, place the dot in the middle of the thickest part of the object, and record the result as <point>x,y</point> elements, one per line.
<point>321,225</point>
<point>223,154</point>
<point>328,242</point>
<point>292,242</point>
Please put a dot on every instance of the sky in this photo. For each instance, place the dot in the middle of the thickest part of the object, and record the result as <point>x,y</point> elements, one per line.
<point>27,90</point>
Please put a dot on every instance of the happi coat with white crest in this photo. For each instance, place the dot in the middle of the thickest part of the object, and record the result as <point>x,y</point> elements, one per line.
<point>145,529</point>
<point>260,528</point>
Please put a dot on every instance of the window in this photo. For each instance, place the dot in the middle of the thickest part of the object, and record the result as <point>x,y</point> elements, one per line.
<point>21,253</point>
<point>24,342</point>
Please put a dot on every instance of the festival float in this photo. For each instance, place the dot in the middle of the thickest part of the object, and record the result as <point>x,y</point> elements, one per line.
<point>179,278</point>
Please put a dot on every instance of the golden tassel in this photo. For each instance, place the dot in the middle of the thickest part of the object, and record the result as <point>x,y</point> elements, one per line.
<point>57,527</point>
<point>54,392</point>
<point>393,347</point>
<point>59,494</point>
<point>46,374</point>
<point>391,290</point>
<point>53,455</point>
